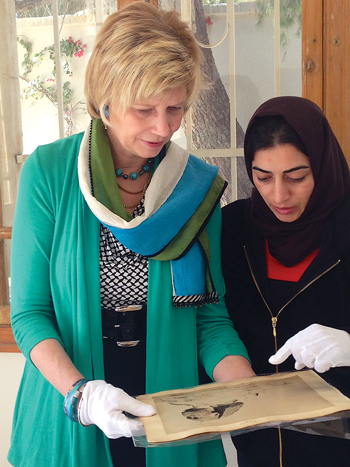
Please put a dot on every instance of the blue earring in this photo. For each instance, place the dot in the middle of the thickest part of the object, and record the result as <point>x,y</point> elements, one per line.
<point>106,110</point>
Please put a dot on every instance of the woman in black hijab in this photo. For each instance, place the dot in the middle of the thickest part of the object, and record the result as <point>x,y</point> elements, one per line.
<point>286,263</point>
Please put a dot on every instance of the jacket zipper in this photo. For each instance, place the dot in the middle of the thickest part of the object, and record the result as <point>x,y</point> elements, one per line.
<point>275,318</point>
<point>274,323</point>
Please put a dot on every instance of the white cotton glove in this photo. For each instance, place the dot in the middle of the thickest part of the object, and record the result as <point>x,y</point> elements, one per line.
<point>316,346</point>
<point>103,405</point>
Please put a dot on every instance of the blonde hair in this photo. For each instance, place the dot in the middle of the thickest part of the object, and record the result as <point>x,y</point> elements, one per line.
<point>141,52</point>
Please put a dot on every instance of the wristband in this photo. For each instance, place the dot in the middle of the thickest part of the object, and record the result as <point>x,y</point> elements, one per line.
<point>72,399</point>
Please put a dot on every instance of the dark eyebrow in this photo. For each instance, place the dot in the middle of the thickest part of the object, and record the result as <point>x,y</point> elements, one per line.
<point>285,172</point>
<point>296,168</point>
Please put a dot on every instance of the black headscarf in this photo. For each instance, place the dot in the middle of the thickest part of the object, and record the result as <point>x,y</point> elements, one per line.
<point>291,242</point>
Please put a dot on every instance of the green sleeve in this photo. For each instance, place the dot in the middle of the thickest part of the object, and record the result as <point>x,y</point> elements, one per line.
<point>217,337</point>
<point>32,314</point>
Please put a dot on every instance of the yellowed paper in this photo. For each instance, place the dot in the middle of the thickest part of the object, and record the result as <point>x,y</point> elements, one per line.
<point>225,407</point>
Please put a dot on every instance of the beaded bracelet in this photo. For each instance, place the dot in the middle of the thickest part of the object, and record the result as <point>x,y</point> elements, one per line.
<point>72,399</point>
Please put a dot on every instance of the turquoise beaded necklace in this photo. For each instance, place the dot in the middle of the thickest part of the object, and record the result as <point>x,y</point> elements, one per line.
<point>134,175</point>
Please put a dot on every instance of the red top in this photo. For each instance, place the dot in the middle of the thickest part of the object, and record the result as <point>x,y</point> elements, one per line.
<point>276,270</point>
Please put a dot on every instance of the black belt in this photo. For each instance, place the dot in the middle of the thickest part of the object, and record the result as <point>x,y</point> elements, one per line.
<point>126,325</point>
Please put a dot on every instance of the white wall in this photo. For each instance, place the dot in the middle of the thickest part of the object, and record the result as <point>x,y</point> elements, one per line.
<point>11,368</point>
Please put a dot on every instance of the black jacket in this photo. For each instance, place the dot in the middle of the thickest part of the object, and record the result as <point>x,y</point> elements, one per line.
<point>322,296</point>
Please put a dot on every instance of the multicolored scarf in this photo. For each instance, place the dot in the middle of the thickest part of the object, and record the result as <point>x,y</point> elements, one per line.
<point>180,199</point>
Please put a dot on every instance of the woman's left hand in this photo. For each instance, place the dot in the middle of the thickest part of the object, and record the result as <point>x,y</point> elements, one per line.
<point>316,346</point>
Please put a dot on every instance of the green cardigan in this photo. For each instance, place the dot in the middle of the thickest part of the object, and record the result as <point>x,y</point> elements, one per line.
<point>56,294</point>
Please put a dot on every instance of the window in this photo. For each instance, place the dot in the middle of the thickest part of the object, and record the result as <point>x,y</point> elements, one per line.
<point>252,53</point>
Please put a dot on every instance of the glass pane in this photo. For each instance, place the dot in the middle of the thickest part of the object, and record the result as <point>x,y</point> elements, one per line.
<point>170,5</point>
<point>290,42</point>
<point>78,22</point>
<point>244,71</point>
<point>259,75</point>
<point>211,115</point>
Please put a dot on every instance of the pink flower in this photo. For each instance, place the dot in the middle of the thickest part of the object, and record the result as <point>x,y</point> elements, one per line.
<point>208,21</point>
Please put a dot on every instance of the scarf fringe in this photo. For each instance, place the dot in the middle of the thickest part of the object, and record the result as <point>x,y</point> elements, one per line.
<point>184,301</point>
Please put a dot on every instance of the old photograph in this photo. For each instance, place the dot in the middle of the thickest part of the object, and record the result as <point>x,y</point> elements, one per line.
<point>223,407</point>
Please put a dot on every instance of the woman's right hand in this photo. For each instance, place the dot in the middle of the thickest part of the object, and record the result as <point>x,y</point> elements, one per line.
<point>316,346</point>
<point>103,405</point>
